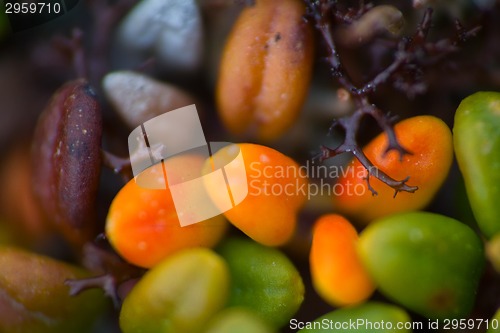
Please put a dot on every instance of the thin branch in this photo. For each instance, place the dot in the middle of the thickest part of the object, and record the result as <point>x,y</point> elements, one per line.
<point>119,165</point>
<point>405,71</point>
<point>73,48</point>
<point>405,54</point>
<point>351,125</point>
<point>386,124</point>
<point>353,14</point>
<point>106,282</point>
<point>399,60</point>
<point>105,17</point>
<point>464,35</point>
<point>423,28</point>
<point>109,268</point>
<point>321,12</point>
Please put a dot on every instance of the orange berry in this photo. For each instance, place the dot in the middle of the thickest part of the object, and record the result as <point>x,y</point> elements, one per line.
<point>337,273</point>
<point>277,188</point>
<point>143,226</point>
<point>265,69</point>
<point>429,140</point>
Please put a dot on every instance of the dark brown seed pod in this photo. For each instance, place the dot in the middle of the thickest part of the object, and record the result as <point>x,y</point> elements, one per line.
<point>67,160</point>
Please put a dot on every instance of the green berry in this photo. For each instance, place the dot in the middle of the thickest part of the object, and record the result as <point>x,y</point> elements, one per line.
<point>476,136</point>
<point>365,318</point>
<point>427,262</point>
<point>264,280</point>
<point>180,294</point>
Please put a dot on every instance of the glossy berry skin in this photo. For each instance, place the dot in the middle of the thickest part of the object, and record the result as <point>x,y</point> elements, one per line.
<point>476,135</point>
<point>337,273</point>
<point>180,294</point>
<point>429,141</point>
<point>429,263</point>
<point>265,69</point>
<point>66,157</point>
<point>494,326</point>
<point>370,312</point>
<point>143,227</point>
<point>276,192</point>
<point>238,319</point>
<point>264,280</point>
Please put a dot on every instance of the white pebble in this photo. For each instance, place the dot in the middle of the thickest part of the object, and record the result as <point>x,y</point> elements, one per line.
<point>171,30</point>
<point>138,98</point>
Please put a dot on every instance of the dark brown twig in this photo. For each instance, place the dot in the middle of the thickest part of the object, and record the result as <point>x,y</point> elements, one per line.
<point>94,63</point>
<point>105,19</point>
<point>320,12</point>
<point>106,282</point>
<point>73,48</point>
<point>412,54</point>
<point>109,268</point>
<point>351,125</point>
<point>119,165</point>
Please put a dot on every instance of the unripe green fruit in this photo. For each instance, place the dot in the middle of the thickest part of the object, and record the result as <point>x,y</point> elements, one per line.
<point>264,280</point>
<point>239,320</point>
<point>427,262</point>
<point>476,136</point>
<point>180,294</point>
<point>494,323</point>
<point>365,318</point>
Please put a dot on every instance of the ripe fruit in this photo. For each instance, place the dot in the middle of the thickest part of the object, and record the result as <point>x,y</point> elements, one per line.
<point>477,145</point>
<point>337,272</point>
<point>265,69</point>
<point>427,262</point>
<point>276,191</point>
<point>142,224</point>
<point>429,140</point>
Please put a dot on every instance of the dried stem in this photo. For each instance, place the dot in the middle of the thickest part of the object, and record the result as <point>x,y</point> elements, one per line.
<point>94,64</point>
<point>351,126</point>
<point>110,270</point>
<point>106,282</point>
<point>105,19</point>
<point>73,48</point>
<point>411,55</point>
<point>352,14</point>
<point>119,165</point>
